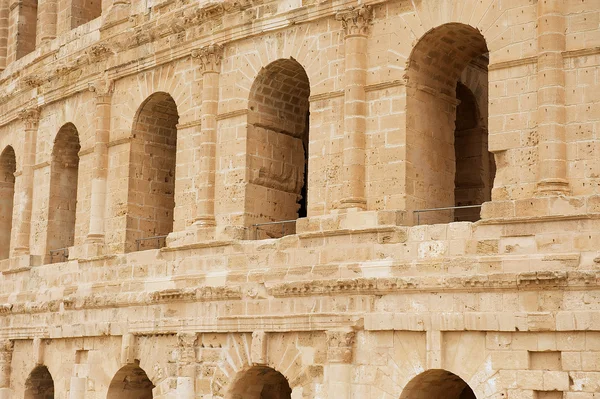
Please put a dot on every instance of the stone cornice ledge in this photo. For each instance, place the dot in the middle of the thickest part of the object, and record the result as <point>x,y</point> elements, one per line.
<point>541,280</point>
<point>102,301</point>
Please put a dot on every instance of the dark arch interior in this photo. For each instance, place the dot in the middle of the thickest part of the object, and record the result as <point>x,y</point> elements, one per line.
<point>278,126</point>
<point>447,157</point>
<point>437,384</point>
<point>62,206</point>
<point>39,384</point>
<point>260,382</point>
<point>130,382</point>
<point>8,167</point>
<point>151,200</point>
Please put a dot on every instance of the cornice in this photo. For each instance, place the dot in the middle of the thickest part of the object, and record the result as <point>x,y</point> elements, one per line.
<point>525,281</point>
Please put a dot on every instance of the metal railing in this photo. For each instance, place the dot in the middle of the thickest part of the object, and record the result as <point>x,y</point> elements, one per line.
<point>447,208</point>
<point>138,242</point>
<point>257,226</point>
<point>62,252</point>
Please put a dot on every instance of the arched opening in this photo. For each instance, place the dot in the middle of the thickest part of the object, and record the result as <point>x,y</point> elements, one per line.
<point>130,382</point>
<point>151,200</point>
<point>39,384</point>
<point>81,12</point>
<point>8,167</point>
<point>448,162</point>
<point>26,27</point>
<point>260,382</point>
<point>278,126</point>
<point>64,170</point>
<point>437,384</point>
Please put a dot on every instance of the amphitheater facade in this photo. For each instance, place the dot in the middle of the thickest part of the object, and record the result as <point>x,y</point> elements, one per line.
<point>295,199</point>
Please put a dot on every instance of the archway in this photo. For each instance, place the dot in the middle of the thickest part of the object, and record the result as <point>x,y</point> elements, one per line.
<point>151,200</point>
<point>260,382</point>
<point>64,171</point>
<point>130,382</point>
<point>8,167</point>
<point>447,123</point>
<point>437,384</point>
<point>39,384</point>
<point>278,126</point>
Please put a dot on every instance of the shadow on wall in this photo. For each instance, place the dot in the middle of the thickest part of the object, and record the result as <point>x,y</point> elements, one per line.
<point>260,382</point>
<point>39,384</point>
<point>448,163</point>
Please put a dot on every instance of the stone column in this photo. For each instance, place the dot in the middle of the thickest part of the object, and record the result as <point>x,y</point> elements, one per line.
<point>552,150</point>
<point>4,20</point>
<point>186,365</point>
<point>6,351</point>
<point>24,183</point>
<point>356,23</point>
<point>210,63</point>
<point>46,21</point>
<point>103,93</point>
<point>340,349</point>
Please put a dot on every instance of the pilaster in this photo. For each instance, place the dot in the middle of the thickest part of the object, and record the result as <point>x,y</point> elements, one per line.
<point>46,21</point>
<point>186,365</point>
<point>24,183</point>
<point>6,352</point>
<point>340,353</point>
<point>102,90</point>
<point>209,59</point>
<point>552,149</point>
<point>356,23</point>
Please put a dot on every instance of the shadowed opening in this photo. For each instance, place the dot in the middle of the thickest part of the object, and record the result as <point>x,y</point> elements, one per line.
<point>278,126</point>
<point>130,382</point>
<point>448,163</point>
<point>39,384</point>
<point>8,167</point>
<point>26,27</point>
<point>64,171</point>
<point>437,384</point>
<point>151,193</point>
<point>260,382</point>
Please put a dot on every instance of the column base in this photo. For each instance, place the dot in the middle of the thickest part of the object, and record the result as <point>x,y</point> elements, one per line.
<point>205,221</point>
<point>89,249</point>
<point>552,187</point>
<point>352,202</point>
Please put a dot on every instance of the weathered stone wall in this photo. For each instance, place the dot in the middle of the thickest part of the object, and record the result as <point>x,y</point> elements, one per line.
<point>122,120</point>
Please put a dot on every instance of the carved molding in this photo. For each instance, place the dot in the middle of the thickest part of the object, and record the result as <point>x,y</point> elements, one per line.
<point>340,346</point>
<point>99,301</point>
<point>98,52</point>
<point>356,20</point>
<point>31,117</point>
<point>102,87</point>
<point>209,57</point>
<point>187,347</point>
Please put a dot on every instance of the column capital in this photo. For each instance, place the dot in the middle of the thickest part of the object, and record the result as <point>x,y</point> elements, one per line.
<point>340,346</point>
<point>31,117</point>
<point>187,347</point>
<point>356,20</point>
<point>210,57</point>
<point>102,87</point>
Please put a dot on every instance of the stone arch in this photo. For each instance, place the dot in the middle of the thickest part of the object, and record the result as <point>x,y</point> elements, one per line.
<point>130,382</point>
<point>64,171</point>
<point>433,73</point>
<point>8,167</point>
<point>39,384</point>
<point>278,126</point>
<point>259,382</point>
<point>437,384</point>
<point>151,195</point>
